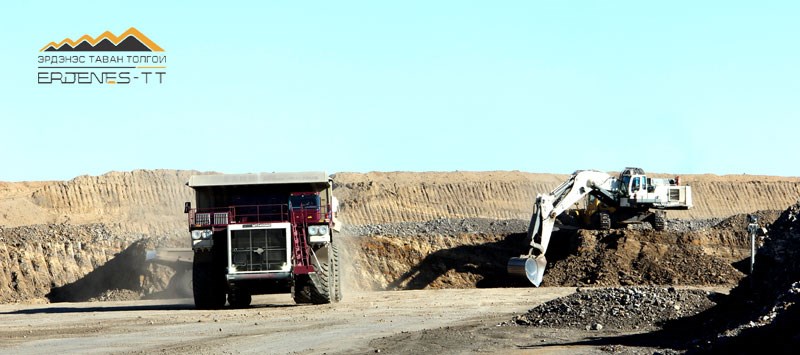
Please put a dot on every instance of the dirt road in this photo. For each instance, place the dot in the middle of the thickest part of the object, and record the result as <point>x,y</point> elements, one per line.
<point>273,325</point>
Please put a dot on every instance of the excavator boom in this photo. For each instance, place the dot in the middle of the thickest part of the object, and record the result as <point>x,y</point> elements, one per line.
<point>545,211</point>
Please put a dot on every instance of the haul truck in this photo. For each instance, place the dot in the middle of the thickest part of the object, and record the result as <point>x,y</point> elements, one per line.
<point>263,233</point>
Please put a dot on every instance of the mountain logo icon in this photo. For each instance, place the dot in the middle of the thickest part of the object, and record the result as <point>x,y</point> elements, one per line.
<point>129,41</point>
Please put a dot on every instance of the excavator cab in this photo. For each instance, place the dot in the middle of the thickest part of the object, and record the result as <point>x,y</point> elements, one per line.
<point>631,182</point>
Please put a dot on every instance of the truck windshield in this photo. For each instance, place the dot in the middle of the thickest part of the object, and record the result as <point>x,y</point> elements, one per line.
<point>304,201</point>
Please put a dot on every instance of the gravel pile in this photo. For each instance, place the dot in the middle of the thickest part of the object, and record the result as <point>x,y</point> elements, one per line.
<point>618,308</point>
<point>739,222</point>
<point>492,226</point>
<point>55,233</point>
<point>439,227</point>
<point>689,225</point>
<point>117,295</point>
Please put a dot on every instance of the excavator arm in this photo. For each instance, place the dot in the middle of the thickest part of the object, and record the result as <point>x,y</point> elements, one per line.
<point>545,211</point>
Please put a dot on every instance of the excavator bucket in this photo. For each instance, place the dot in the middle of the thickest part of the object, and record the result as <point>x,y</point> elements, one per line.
<point>529,267</point>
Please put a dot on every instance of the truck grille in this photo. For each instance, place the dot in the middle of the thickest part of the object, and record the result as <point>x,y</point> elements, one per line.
<point>202,218</point>
<point>259,250</point>
<point>221,218</point>
<point>674,194</point>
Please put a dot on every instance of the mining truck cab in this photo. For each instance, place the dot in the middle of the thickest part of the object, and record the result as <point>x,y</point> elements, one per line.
<point>263,233</point>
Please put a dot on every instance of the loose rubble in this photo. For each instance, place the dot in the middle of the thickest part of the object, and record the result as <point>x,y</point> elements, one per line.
<point>763,309</point>
<point>117,295</point>
<point>617,308</point>
<point>439,227</point>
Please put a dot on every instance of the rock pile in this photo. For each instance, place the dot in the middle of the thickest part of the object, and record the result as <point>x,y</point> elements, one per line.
<point>763,308</point>
<point>618,308</point>
<point>439,227</point>
<point>116,295</point>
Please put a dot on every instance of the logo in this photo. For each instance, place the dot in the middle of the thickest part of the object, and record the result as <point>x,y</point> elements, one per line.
<point>130,58</point>
<point>129,41</point>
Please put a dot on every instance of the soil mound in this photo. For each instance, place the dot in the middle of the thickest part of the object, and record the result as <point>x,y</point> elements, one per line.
<point>636,257</point>
<point>62,262</point>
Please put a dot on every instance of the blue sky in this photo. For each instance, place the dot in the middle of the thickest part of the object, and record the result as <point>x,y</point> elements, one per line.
<point>550,86</point>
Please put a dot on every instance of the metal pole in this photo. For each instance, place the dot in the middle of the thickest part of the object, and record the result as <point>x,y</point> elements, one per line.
<point>752,247</point>
<point>753,229</point>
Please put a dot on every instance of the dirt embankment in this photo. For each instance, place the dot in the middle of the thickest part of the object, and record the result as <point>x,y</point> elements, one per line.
<point>62,262</point>
<point>151,201</point>
<point>402,197</point>
<point>141,201</point>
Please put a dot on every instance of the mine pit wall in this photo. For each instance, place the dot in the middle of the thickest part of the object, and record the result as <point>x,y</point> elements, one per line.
<point>429,261</point>
<point>409,197</point>
<point>151,201</point>
<point>141,201</point>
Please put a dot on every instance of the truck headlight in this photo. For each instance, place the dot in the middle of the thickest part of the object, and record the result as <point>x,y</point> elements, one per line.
<point>202,234</point>
<point>323,230</point>
<point>313,230</point>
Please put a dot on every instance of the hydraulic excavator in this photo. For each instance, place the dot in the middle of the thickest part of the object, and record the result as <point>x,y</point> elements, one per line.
<point>611,201</point>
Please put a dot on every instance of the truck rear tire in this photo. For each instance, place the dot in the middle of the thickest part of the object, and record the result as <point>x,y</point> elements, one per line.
<point>208,284</point>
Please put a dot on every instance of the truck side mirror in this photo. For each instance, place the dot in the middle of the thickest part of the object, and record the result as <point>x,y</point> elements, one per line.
<point>186,207</point>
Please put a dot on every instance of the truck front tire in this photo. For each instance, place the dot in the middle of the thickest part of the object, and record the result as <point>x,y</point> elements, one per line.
<point>324,285</point>
<point>337,273</point>
<point>208,283</point>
